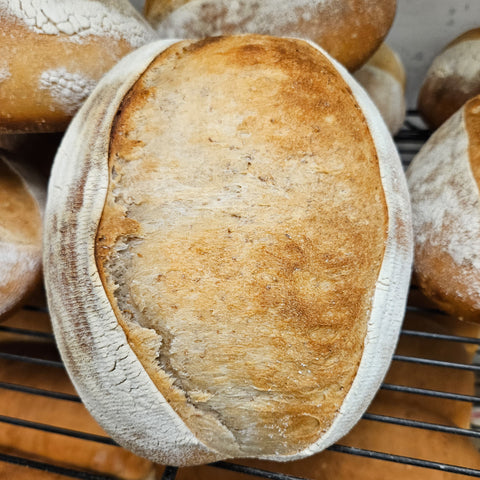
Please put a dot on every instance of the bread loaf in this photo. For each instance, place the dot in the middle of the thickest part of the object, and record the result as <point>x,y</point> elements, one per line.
<point>53,53</point>
<point>21,211</point>
<point>443,180</point>
<point>228,243</point>
<point>452,79</point>
<point>384,78</point>
<point>350,30</point>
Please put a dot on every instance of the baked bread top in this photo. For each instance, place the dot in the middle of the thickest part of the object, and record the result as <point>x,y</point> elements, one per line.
<point>241,229</point>
<point>53,53</point>
<point>350,30</point>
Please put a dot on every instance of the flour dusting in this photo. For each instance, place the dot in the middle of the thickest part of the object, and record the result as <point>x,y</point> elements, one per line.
<point>4,74</point>
<point>445,195</point>
<point>462,59</point>
<point>68,90</point>
<point>202,18</point>
<point>81,18</point>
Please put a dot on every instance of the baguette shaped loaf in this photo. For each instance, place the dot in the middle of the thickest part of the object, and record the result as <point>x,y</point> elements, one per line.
<point>247,331</point>
<point>53,53</point>
<point>350,30</point>
<point>22,204</point>
<point>443,180</point>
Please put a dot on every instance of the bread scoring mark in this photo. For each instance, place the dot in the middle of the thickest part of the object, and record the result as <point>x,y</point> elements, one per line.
<point>78,19</point>
<point>68,90</point>
<point>208,253</point>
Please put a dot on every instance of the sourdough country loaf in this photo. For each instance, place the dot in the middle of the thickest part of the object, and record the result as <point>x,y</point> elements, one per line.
<point>443,180</point>
<point>452,79</point>
<point>52,54</point>
<point>350,30</point>
<point>22,202</point>
<point>228,243</point>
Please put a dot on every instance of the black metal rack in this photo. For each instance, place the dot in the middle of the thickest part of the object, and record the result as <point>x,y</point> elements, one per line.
<point>408,141</point>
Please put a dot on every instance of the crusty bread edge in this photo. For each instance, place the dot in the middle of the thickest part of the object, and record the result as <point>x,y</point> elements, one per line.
<point>389,301</point>
<point>103,368</point>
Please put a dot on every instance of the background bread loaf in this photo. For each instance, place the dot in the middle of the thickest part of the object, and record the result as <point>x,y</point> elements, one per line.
<point>21,212</point>
<point>53,53</point>
<point>453,78</point>
<point>384,78</point>
<point>443,181</point>
<point>350,30</point>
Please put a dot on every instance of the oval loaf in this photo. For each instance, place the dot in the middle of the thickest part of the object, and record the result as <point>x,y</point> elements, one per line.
<point>228,249</point>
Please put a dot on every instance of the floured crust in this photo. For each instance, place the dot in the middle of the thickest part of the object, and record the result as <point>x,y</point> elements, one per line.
<point>452,79</point>
<point>336,25</point>
<point>46,75</point>
<point>20,239</point>
<point>443,181</point>
<point>384,78</point>
<point>113,383</point>
<point>269,280</point>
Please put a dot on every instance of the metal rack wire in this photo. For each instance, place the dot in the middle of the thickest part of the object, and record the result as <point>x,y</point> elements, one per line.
<point>409,140</point>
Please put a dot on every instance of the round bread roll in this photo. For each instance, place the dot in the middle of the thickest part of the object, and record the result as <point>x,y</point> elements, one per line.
<point>443,180</point>
<point>21,206</point>
<point>383,77</point>
<point>233,212</point>
<point>350,30</point>
<point>53,53</point>
<point>452,79</point>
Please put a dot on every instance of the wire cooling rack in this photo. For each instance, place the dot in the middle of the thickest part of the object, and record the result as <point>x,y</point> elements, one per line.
<point>408,141</point>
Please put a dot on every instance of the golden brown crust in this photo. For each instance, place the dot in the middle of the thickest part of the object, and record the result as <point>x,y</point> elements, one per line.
<point>284,273</point>
<point>472,126</point>
<point>45,78</point>
<point>350,30</point>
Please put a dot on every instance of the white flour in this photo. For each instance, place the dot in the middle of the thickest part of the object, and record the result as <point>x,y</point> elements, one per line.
<point>68,90</point>
<point>445,195</point>
<point>81,18</point>
<point>4,74</point>
<point>463,59</point>
<point>206,17</point>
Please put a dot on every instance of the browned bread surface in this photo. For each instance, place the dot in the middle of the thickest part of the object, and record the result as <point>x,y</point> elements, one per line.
<point>48,69</point>
<point>350,30</point>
